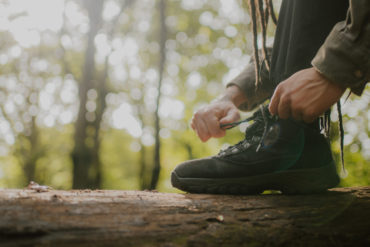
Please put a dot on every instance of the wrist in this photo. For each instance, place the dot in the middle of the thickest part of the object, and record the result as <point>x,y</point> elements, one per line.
<point>325,78</point>
<point>234,95</point>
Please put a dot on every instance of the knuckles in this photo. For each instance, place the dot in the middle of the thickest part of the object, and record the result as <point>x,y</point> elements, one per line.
<point>208,117</point>
<point>196,115</point>
<point>285,99</point>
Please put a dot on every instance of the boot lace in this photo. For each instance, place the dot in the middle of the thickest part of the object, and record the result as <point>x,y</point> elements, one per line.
<point>254,134</point>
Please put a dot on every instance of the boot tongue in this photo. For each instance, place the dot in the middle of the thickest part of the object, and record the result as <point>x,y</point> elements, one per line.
<point>257,128</point>
<point>253,135</point>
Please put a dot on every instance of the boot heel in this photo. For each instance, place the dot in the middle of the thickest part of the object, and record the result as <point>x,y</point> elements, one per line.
<point>311,181</point>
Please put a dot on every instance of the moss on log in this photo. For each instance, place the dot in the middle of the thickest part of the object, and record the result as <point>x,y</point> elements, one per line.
<point>340,217</point>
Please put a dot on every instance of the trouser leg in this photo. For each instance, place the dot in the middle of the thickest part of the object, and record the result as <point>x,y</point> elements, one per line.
<point>302,28</point>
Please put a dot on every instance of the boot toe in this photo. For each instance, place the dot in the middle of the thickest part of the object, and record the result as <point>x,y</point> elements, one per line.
<point>198,168</point>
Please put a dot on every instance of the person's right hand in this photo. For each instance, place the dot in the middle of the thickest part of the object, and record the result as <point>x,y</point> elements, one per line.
<point>206,121</point>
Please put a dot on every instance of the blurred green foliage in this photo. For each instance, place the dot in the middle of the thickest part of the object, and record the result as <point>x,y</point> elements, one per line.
<point>208,44</point>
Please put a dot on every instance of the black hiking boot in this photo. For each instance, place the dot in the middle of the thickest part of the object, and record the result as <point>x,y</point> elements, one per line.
<point>275,155</point>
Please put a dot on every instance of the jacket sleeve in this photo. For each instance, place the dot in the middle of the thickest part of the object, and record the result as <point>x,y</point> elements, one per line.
<point>246,82</point>
<point>344,58</point>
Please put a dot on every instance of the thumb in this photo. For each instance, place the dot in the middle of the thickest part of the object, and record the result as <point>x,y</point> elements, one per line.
<point>231,116</point>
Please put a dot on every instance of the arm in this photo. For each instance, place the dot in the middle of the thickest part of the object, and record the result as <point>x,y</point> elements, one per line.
<point>241,93</point>
<point>342,62</point>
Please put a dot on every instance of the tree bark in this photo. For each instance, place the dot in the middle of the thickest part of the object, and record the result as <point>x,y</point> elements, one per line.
<point>339,217</point>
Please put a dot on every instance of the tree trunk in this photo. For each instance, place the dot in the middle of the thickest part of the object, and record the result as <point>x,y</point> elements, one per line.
<point>145,177</point>
<point>86,153</point>
<point>31,156</point>
<point>161,64</point>
<point>85,172</point>
<point>339,217</point>
<point>143,181</point>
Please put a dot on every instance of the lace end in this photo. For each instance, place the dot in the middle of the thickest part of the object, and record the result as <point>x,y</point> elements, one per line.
<point>258,147</point>
<point>264,129</point>
<point>343,172</point>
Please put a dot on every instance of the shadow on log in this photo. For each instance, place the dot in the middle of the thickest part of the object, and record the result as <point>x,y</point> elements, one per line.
<point>340,217</point>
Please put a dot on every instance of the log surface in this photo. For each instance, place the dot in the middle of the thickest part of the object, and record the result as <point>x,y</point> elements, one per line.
<point>340,217</point>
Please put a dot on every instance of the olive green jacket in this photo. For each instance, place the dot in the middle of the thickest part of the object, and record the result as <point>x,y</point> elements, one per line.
<point>344,58</point>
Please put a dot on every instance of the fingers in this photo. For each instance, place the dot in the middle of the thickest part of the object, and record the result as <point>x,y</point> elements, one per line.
<point>214,128</point>
<point>287,104</point>
<point>297,114</point>
<point>280,103</point>
<point>232,116</point>
<point>206,121</point>
<point>284,107</point>
<point>207,126</point>
<point>274,103</point>
<point>301,112</point>
<point>201,129</point>
<point>304,96</point>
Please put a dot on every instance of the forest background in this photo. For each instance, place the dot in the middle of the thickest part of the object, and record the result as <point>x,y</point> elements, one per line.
<point>99,94</point>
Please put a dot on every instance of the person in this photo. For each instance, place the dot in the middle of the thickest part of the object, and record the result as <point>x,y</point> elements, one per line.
<point>320,49</point>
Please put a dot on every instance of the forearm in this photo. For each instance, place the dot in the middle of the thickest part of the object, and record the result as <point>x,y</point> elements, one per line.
<point>234,94</point>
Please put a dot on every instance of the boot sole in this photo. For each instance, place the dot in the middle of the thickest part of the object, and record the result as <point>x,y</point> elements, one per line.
<point>302,181</point>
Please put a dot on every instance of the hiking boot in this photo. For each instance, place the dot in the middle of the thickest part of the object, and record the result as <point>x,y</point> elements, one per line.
<point>276,154</point>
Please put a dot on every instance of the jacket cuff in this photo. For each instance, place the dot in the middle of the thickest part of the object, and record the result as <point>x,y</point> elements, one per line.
<point>344,60</point>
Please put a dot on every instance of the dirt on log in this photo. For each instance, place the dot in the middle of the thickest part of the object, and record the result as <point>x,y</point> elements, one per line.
<point>340,217</point>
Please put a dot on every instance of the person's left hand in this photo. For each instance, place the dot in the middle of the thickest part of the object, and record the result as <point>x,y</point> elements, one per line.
<point>304,96</point>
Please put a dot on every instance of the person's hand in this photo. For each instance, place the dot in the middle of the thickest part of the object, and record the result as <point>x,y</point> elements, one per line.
<point>206,121</point>
<point>304,96</point>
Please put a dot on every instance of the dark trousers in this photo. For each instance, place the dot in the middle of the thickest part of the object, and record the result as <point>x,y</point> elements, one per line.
<point>302,28</point>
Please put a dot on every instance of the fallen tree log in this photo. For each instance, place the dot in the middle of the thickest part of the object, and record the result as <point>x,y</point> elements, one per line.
<point>340,217</point>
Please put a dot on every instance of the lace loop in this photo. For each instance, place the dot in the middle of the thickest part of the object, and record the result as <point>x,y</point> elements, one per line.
<point>257,132</point>
<point>234,124</point>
